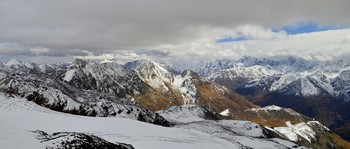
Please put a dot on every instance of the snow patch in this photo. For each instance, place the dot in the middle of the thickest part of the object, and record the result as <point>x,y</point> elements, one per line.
<point>186,87</point>
<point>184,113</point>
<point>297,131</point>
<point>69,75</point>
<point>308,88</point>
<point>267,108</point>
<point>225,112</point>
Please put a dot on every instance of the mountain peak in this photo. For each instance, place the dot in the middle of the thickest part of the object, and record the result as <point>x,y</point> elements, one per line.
<point>188,72</point>
<point>148,64</point>
<point>293,59</point>
<point>247,57</point>
<point>248,60</point>
<point>81,62</point>
<point>106,61</point>
<point>13,62</point>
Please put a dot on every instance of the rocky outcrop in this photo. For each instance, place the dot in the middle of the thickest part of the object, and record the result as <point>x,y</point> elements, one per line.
<point>68,140</point>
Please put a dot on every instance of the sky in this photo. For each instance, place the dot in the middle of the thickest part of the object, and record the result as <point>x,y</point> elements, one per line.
<point>181,32</point>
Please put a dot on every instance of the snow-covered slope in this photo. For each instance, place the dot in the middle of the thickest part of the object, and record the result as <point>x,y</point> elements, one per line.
<point>244,134</point>
<point>288,124</point>
<point>186,86</point>
<point>19,117</point>
<point>301,131</point>
<point>188,113</point>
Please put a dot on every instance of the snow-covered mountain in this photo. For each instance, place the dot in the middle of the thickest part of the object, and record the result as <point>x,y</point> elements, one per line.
<point>135,90</point>
<point>315,88</point>
<point>82,88</point>
<point>109,89</point>
<point>155,74</point>
<point>187,87</point>
<point>310,77</point>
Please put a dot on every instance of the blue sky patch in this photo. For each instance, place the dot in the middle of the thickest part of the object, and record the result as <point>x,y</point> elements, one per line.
<point>305,28</point>
<point>300,28</point>
<point>231,39</point>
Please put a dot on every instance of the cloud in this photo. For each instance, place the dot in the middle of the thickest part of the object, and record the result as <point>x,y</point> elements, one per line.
<point>11,49</point>
<point>109,24</point>
<point>39,50</point>
<point>258,32</point>
<point>168,30</point>
<point>324,46</point>
<point>15,49</point>
<point>153,52</point>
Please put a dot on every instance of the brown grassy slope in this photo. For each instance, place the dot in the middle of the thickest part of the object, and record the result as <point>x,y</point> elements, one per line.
<point>155,100</point>
<point>219,98</point>
<point>344,130</point>
<point>270,118</point>
<point>339,141</point>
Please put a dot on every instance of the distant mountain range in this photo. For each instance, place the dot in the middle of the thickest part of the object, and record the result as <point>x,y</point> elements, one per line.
<point>317,89</point>
<point>201,98</point>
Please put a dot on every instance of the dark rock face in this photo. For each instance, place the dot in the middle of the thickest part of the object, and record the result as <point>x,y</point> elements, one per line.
<point>68,140</point>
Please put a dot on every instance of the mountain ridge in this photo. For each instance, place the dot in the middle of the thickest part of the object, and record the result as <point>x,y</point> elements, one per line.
<point>290,82</point>
<point>137,89</point>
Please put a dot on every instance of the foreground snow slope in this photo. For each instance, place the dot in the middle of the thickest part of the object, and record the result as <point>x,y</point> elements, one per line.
<point>16,138</point>
<point>18,117</point>
<point>244,134</point>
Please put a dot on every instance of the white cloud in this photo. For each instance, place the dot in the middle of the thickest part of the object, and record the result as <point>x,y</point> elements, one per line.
<point>39,50</point>
<point>104,26</point>
<point>170,30</point>
<point>98,57</point>
<point>258,32</point>
<point>324,46</point>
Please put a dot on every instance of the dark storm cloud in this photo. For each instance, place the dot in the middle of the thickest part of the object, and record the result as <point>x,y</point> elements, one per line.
<point>112,24</point>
